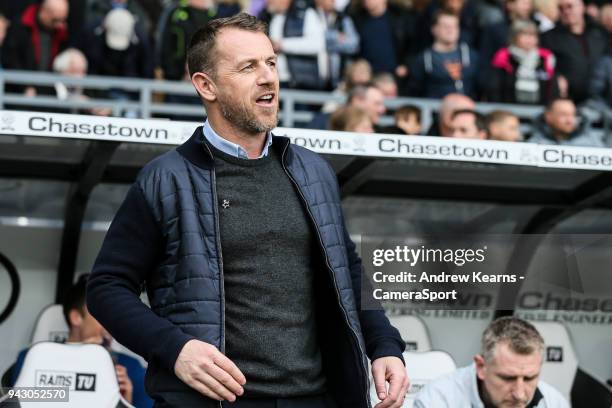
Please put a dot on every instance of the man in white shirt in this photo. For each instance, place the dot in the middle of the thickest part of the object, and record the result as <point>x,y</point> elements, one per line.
<point>505,375</point>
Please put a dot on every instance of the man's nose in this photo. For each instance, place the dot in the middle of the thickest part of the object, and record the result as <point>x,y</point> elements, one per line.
<point>519,391</point>
<point>267,75</point>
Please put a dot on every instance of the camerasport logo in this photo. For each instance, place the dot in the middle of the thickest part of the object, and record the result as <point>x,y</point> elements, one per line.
<point>74,381</point>
<point>554,354</point>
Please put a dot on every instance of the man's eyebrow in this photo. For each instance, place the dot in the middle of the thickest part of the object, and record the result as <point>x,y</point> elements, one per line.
<point>251,60</point>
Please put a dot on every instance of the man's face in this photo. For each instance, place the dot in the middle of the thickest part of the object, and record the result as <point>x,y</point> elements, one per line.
<point>464,127</point>
<point>373,104</point>
<point>375,7</point>
<point>446,30</point>
<point>571,11</point>
<point>520,9</point>
<point>509,379</point>
<point>507,130</point>
<point>247,80</point>
<point>562,117</point>
<point>53,14</point>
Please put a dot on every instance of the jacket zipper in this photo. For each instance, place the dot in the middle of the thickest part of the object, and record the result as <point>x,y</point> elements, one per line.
<point>218,242</point>
<point>329,268</point>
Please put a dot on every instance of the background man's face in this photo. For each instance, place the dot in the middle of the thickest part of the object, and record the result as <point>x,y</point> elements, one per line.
<point>571,11</point>
<point>562,117</point>
<point>53,14</point>
<point>464,127</point>
<point>447,29</point>
<point>373,104</point>
<point>375,7</point>
<point>509,379</point>
<point>246,76</point>
<point>508,130</point>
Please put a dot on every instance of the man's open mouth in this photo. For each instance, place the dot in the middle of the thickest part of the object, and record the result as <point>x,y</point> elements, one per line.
<point>266,99</point>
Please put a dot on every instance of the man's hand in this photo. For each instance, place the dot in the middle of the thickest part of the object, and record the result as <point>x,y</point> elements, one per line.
<point>205,369</point>
<point>125,384</point>
<point>390,369</point>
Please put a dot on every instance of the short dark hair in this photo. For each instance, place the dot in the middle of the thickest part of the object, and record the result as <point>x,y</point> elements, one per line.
<point>553,101</point>
<point>406,111</point>
<point>75,298</point>
<point>441,13</point>
<point>478,118</point>
<point>201,50</point>
<point>498,116</point>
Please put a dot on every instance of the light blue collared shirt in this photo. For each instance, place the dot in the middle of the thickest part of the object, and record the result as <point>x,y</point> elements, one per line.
<point>230,148</point>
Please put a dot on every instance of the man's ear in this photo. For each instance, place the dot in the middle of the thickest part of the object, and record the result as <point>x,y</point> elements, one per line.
<point>480,366</point>
<point>205,86</point>
<point>75,317</point>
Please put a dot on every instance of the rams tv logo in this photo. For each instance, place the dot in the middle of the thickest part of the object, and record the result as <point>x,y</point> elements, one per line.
<point>74,381</point>
<point>554,354</point>
<point>85,382</point>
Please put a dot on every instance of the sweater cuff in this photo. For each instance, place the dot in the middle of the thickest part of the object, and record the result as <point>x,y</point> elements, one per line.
<point>173,349</point>
<point>388,348</point>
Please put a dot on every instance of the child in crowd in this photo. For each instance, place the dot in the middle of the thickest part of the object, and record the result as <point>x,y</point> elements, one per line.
<point>408,119</point>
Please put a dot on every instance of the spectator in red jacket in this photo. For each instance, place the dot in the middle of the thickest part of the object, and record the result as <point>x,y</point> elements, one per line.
<point>33,41</point>
<point>523,72</point>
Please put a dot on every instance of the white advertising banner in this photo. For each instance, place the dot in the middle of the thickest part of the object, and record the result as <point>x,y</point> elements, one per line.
<point>55,125</point>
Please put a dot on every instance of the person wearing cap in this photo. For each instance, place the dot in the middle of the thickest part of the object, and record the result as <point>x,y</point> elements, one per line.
<point>116,47</point>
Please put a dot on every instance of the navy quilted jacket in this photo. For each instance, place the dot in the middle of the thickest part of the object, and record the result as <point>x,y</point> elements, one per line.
<point>166,236</point>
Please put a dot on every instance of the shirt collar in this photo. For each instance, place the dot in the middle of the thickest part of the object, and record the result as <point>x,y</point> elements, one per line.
<point>231,148</point>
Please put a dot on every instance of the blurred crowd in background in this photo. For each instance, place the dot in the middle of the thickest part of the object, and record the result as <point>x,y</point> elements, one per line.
<point>553,53</point>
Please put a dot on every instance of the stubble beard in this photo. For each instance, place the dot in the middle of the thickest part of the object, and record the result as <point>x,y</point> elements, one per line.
<point>245,119</point>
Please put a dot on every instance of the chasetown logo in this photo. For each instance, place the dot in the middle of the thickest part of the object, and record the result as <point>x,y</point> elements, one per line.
<point>71,380</point>
<point>7,121</point>
<point>554,354</point>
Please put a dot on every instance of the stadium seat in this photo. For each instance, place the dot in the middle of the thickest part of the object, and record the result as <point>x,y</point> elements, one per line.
<point>50,325</point>
<point>86,369</point>
<point>413,332</point>
<point>422,368</point>
<point>560,359</point>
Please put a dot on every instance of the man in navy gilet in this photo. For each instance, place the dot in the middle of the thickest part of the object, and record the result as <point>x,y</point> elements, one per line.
<point>239,238</point>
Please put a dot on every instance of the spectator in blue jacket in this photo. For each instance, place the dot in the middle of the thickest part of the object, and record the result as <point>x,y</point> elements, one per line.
<point>448,66</point>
